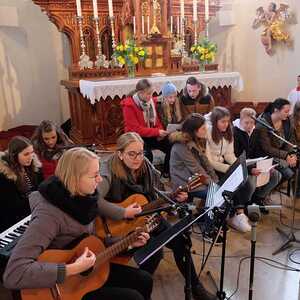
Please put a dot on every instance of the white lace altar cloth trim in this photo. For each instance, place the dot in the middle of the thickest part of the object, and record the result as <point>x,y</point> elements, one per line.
<point>94,90</point>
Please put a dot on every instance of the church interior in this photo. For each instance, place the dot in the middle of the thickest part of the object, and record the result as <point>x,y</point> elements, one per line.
<point>193,104</point>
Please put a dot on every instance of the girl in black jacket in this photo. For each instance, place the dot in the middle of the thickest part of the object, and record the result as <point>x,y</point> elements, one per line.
<point>20,174</point>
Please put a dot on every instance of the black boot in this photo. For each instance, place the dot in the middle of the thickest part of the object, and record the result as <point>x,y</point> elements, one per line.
<point>200,293</point>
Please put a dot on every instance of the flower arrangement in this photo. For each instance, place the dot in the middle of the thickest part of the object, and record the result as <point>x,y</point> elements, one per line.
<point>205,51</point>
<point>129,54</point>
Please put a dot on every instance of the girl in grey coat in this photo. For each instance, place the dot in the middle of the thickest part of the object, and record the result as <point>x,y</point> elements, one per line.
<point>64,209</point>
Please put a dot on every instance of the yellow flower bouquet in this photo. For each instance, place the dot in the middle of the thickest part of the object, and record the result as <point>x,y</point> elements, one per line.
<point>205,51</point>
<point>129,54</point>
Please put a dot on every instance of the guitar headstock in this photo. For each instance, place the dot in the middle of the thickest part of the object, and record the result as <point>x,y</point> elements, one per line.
<point>193,182</point>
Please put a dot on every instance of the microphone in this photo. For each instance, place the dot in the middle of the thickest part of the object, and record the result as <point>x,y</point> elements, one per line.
<point>254,211</point>
<point>261,122</point>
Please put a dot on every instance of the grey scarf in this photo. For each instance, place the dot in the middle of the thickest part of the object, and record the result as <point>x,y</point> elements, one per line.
<point>148,110</point>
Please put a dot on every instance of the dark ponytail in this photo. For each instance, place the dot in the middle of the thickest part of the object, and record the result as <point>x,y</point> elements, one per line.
<point>278,104</point>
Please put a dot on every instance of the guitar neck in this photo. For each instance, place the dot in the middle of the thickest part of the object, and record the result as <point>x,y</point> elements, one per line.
<point>117,248</point>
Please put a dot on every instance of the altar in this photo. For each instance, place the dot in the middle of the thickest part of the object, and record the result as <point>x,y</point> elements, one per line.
<point>112,40</point>
<point>95,104</point>
<point>94,90</point>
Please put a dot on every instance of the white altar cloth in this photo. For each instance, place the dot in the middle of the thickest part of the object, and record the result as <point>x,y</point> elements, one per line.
<point>94,90</point>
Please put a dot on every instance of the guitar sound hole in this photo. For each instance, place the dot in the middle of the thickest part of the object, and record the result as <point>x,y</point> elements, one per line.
<point>87,272</point>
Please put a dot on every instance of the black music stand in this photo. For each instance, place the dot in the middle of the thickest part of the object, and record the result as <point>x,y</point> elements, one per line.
<point>234,178</point>
<point>181,227</point>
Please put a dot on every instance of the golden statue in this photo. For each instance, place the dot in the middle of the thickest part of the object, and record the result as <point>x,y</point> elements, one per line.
<point>274,20</point>
<point>156,15</point>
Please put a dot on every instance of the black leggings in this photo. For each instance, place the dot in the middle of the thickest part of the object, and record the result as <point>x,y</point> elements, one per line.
<point>124,282</point>
<point>162,145</point>
<point>177,245</point>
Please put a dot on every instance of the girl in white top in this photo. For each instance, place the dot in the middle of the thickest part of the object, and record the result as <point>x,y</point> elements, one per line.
<point>220,152</point>
<point>219,147</point>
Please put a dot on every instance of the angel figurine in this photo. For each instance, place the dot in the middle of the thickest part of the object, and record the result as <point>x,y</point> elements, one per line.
<point>274,20</point>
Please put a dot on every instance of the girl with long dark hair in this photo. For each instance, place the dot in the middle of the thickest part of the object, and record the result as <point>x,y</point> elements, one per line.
<point>20,174</point>
<point>220,152</point>
<point>263,143</point>
<point>48,141</point>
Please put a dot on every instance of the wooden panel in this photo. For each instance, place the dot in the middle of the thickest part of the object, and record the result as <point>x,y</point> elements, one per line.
<point>6,136</point>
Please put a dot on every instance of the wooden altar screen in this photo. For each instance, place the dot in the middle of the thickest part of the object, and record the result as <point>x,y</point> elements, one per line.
<point>92,122</point>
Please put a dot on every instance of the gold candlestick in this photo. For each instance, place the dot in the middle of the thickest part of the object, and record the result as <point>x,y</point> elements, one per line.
<point>101,58</point>
<point>114,61</point>
<point>84,60</point>
<point>112,24</point>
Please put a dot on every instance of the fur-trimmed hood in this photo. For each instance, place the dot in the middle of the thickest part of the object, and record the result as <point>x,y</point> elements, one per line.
<point>7,171</point>
<point>180,137</point>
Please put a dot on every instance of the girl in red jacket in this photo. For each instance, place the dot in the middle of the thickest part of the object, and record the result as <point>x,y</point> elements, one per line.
<point>48,142</point>
<point>141,116</point>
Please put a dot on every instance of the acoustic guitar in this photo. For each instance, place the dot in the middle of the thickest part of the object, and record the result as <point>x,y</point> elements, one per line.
<point>76,286</point>
<point>123,227</point>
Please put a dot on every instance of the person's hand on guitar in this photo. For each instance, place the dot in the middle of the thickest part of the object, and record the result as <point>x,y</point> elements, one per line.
<point>84,262</point>
<point>141,240</point>
<point>132,210</point>
<point>182,197</point>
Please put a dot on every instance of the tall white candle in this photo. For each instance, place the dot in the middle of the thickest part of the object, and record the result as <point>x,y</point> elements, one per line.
<point>182,9</point>
<point>143,24</point>
<point>171,24</point>
<point>110,8</point>
<point>134,25</point>
<point>195,10</point>
<point>78,6</point>
<point>206,10</point>
<point>148,24</point>
<point>178,25</point>
<point>95,8</point>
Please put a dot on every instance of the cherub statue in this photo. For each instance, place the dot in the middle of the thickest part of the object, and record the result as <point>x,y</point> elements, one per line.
<point>274,20</point>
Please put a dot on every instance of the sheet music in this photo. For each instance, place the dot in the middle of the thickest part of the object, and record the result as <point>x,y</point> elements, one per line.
<point>264,166</point>
<point>173,127</point>
<point>230,185</point>
<point>254,160</point>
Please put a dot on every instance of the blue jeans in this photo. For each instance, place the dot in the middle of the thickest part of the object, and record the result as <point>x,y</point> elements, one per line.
<point>263,191</point>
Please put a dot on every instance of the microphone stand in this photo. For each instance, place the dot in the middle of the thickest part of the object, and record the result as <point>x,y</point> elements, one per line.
<point>221,294</point>
<point>254,216</point>
<point>291,238</point>
<point>183,211</point>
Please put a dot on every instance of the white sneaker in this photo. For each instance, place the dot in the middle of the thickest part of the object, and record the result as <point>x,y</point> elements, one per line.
<point>240,223</point>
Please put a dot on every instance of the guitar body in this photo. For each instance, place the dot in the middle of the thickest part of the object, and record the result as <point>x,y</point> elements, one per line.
<point>123,227</point>
<point>76,286</point>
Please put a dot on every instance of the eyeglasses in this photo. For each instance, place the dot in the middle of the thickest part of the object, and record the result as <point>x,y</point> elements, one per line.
<point>134,155</point>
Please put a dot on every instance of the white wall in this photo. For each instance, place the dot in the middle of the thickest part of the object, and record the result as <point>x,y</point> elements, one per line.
<point>34,57</point>
<point>265,77</point>
<point>31,66</point>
